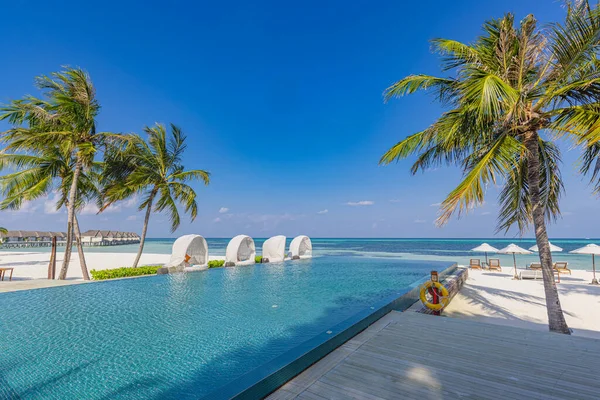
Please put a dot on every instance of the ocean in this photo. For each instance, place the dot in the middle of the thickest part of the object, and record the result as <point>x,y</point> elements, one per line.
<point>454,250</point>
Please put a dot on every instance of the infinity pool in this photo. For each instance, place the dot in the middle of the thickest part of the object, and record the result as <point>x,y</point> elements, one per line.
<point>181,336</point>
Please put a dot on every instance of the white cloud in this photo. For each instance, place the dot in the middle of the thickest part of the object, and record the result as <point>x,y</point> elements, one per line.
<point>420,221</point>
<point>131,202</point>
<point>217,219</point>
<point>566,213</point>
<point>360,203</point>
<point>395,201</point>
<point>27,207</point>
<point>50,204</point>
<point>223,210</point>
<point>132,218</point>
<point>486,213</point>
<point>374,226</point>
<point>323,211</point>
<point>91,208</point>
<point>435,204</point>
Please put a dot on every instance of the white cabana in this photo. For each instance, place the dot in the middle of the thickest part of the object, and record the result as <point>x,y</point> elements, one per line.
<point>301,247</point>
<point>553,248</point>
<point>240,251</point>
<point>485,248</point>
<point>273,249</point>
<point>514,249</point>
<point>190,252</point>
<point>594,250</point>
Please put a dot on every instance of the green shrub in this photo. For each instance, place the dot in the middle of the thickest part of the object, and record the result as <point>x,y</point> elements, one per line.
<point>216,263</point>
<point>258,259</point>
<point>123,272</point>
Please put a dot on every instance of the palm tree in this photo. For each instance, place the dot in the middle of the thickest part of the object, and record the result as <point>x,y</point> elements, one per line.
<point>153,170</point>
<point>591,164</point>
<point>65,117</point>
<point>508,94</point>
<point>41,173</point>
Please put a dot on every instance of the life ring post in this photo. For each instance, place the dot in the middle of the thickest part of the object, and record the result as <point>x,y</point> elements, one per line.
<point>438,293</point>
<point>433,291</point>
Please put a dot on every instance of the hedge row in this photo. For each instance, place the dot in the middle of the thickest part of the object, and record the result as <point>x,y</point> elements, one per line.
<point>216,263</point>
<point>148,270</point>
<point>123,272</point>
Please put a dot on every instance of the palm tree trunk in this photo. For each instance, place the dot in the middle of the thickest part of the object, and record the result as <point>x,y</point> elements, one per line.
<point>556,318</point>
<point>70,217</point>
<point>146,219</point>
<point>82,263</point>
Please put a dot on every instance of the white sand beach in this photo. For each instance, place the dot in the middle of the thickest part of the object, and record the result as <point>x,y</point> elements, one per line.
<point>496,298</point>
<point>31,268</point>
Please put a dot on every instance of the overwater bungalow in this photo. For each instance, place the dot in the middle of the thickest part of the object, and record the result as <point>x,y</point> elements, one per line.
<point>31,238</point>
<point>13,239</point>
<point>108,238</point>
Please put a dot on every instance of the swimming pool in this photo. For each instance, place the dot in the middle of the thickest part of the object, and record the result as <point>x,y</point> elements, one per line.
<point>181,336</point>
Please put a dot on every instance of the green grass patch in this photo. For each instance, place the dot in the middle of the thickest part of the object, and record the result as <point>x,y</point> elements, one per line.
<point>216,263</point>
<point>123,272</point>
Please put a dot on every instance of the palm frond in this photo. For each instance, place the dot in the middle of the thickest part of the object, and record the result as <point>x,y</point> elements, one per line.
<point>515,202</point>
<point>483,167</point>
<point>590,164</point>
<point>444,88</point>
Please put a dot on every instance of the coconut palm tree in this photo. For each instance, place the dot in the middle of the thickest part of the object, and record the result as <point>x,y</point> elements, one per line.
<point>507,96</point>
<point>153,170</point>
<point>43,173</point>
<point>65,117</point>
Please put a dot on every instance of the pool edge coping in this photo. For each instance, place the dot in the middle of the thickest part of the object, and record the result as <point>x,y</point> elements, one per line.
<point>267,378</point>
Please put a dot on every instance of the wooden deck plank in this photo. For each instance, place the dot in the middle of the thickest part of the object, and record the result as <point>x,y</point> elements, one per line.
<point>537,356</point>
<point>410,355</point>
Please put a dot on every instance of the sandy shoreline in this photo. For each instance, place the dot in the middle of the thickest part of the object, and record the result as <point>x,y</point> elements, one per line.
<point>496,298</point>
<point>31,268</point>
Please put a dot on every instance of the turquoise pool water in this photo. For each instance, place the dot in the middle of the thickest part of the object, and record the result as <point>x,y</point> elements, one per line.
<point>181,336</point>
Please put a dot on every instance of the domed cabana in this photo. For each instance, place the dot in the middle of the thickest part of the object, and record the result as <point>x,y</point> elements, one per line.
<point>273,249</point>
<point>190,252</point>
<point>240,251</point>
<point>301,247</point>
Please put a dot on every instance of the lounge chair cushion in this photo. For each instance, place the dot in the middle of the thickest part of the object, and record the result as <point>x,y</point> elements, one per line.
<point>531,274</point>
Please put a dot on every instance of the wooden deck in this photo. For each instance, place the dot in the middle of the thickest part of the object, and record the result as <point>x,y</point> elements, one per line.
<point>415,356</point>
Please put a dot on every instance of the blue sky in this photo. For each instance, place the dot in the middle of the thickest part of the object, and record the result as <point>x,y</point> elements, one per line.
<point>281,102</point>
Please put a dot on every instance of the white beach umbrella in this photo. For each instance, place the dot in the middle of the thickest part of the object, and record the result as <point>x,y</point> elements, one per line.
<point>485,248</point>
<point>514,249</point>
<point>553,248</point>
<point>592,249</point>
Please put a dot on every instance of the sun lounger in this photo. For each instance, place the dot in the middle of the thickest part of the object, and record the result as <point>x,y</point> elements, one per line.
<point>475,263</point>
<point>3,273</point>
<point>494,264</point>
<point>562,267</point>
<point>535,266</point>
<point>531,274</point>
